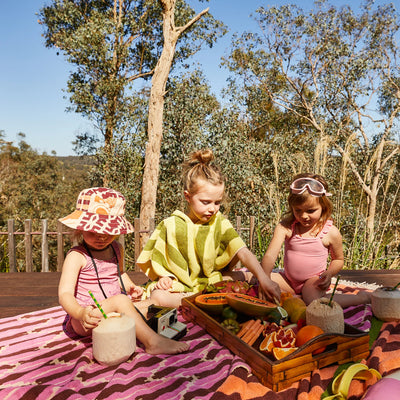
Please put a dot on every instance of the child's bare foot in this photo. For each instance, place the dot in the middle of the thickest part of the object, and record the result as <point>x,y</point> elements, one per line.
<point>162,345</point>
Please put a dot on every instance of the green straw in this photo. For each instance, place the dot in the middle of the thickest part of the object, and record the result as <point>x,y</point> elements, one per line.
<point>98,305</point>
<point>334,290</point>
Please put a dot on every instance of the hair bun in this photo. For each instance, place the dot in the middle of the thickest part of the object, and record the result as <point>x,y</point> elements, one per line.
<point>202,156</point>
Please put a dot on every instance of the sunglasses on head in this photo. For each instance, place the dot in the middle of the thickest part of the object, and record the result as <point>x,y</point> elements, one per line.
<point>314,187</point>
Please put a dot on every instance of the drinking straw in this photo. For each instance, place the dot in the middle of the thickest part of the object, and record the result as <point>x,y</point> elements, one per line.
<point>98,305</point>
<point>334,290</point>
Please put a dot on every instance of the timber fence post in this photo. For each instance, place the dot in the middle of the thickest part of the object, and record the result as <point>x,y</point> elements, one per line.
<point>136,226</point>
<point>28,245</point>
<point>251,232</point>
<point>11,246</point>
<point>45,247</point>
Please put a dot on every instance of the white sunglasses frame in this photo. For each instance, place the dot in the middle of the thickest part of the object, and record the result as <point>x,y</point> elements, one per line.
<point>307,187</point>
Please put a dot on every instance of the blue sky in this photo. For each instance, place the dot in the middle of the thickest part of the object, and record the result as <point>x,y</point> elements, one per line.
<point>32,77</point>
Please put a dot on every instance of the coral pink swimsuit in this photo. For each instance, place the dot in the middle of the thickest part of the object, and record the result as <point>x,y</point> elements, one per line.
<point>304,257</point>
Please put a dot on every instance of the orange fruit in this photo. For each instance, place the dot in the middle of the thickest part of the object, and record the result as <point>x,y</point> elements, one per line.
<point>280,352</point>
<point>268,343</point>
<point>285,295</point>
<point>306,333</point>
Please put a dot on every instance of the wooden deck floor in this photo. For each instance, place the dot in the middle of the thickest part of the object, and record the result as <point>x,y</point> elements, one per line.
<point>26,292</point>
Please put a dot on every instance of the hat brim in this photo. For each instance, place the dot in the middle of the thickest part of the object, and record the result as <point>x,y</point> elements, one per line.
<point>97,223</point>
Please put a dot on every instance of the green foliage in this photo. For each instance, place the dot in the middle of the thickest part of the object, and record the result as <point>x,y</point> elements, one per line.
<point>35,186</point>
<point>321,87</point>
<point>112,45</point>
<point>319,93</point>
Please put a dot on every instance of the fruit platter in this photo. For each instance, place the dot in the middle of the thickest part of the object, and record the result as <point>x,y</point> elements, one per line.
<point>273,338</point>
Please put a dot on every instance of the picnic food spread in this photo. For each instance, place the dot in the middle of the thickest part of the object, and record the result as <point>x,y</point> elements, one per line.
<point>269,342</point>
<point>278,329</point>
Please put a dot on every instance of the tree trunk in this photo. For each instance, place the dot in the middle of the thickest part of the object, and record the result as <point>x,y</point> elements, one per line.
<point>156,108</point>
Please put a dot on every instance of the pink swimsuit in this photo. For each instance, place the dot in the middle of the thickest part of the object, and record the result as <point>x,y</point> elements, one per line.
<point>87,280</point>
<point>304,257</point>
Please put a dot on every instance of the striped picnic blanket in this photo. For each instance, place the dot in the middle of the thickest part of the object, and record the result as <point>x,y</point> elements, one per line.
<point>384,357</point>
<point>38,361</point>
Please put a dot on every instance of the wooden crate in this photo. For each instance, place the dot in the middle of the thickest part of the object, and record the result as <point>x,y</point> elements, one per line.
<point>353,345</point>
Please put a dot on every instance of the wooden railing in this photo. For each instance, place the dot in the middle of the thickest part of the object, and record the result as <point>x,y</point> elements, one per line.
<point>60,233</point>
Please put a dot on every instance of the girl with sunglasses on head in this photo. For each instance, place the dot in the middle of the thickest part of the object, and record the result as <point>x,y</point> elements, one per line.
<point>309,238</point>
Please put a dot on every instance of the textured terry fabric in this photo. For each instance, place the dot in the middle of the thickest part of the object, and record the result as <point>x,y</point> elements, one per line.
<point>192,254</point>
<point>38,361</point>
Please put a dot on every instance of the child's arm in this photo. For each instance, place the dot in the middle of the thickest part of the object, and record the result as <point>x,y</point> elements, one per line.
<point>335,243</point>
<point>271,255</point>
<point>269,287</point>
<point>66,291</point>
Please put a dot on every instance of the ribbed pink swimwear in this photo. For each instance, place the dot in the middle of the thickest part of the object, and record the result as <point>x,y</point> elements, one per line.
<point>87,279</point>
<point>305,257</point>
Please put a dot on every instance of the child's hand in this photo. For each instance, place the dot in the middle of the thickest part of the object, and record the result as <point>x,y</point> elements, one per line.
<point>324,281</point>
<point>91,317</point>
<point>164,283</point>
<point>270,290</point>
<point>135,292</point>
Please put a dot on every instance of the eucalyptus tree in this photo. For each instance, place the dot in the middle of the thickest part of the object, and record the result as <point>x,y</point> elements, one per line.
<point>175,27</point>
<point>189,108</point>
<point>337,72</point>
<point>114,45</point>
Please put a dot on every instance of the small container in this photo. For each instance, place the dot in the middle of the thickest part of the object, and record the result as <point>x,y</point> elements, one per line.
<point>114,339</point>
<point>385,302</point>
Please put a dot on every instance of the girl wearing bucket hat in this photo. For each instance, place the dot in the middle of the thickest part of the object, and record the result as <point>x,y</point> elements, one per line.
<point>94,266</point>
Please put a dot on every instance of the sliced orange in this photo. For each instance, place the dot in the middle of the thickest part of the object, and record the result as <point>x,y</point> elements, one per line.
<point>281,352</point>
<point>268,343</point>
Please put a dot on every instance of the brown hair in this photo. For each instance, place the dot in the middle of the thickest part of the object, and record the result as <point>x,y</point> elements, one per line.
<point>200,166</point>
<point>296,199</point>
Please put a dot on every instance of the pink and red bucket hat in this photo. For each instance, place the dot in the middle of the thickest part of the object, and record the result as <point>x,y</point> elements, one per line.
<point>99,210</point>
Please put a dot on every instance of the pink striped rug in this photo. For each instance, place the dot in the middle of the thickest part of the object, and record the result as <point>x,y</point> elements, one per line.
<point>38,361</point>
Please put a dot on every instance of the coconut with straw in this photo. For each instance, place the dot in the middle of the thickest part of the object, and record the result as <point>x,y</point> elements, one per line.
<point>326,313</point>
<point>385,302</point>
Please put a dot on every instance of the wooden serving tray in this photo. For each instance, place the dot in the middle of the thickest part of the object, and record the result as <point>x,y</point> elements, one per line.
<point>353,345</point>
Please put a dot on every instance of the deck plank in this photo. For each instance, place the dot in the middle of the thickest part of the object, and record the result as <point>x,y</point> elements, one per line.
<point>23,292</point>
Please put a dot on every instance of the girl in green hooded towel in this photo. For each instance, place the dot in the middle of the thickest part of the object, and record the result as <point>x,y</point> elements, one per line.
<point>188,251</point>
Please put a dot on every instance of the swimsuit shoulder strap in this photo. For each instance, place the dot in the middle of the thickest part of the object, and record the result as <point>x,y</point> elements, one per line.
<point>328,225</point>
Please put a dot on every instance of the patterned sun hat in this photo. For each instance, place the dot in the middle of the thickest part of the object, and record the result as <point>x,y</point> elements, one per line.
<point>99,210</point>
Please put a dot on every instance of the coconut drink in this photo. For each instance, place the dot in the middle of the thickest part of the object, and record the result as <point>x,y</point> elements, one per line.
<point>114,339</point>
<point>326,314</point>
<point>385,302</point>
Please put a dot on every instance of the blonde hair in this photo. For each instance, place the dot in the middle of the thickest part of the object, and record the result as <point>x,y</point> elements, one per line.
<point>199,167</point>
<point>297,199</point>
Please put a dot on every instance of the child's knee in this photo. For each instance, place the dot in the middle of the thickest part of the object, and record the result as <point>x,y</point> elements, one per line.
<point>157,296</point>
